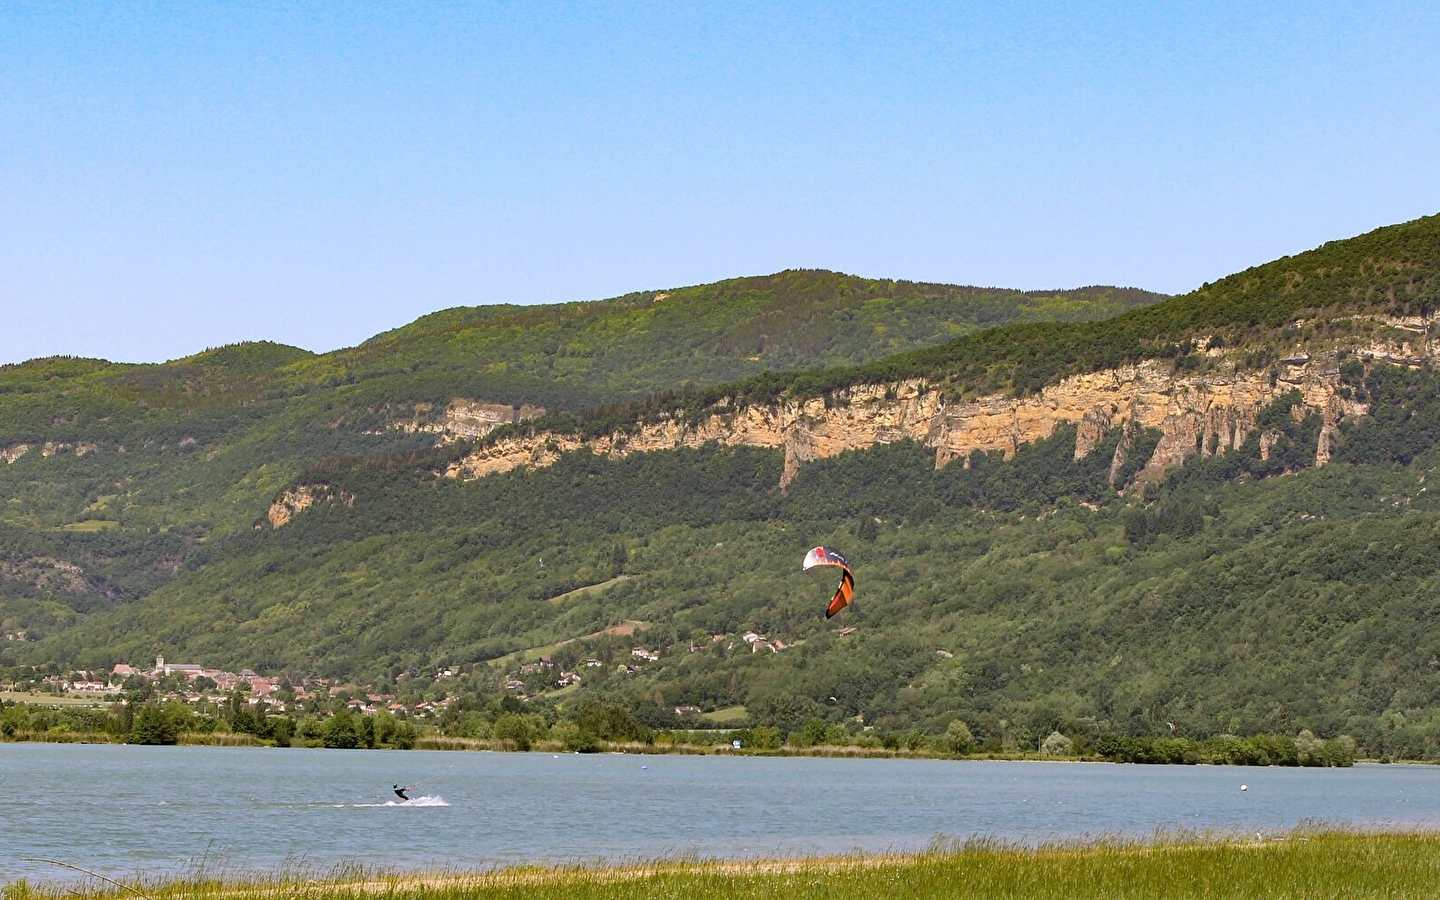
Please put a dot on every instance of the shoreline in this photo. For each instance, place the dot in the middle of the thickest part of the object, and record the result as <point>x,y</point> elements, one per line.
<point>443,744</point>
<point>1304,862</point>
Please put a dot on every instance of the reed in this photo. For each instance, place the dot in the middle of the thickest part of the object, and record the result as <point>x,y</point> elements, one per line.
<point>1300,864</point>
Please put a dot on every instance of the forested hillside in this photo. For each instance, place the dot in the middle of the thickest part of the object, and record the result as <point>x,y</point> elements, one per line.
<point>1264,587</point>
<point>115,475</point>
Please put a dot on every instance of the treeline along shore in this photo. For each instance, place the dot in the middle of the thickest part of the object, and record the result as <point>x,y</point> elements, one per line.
<point>592,726</point>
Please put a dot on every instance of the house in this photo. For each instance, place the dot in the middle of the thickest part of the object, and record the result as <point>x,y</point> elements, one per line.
<point>593,664</point>
<point>642,653</point>
<point>848,630</point>
<point>687,710</point>
<point>91,687</point>
<point>514,685</point>
<point>567,679</point>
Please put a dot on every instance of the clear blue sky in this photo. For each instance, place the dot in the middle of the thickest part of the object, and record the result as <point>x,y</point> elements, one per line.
<point>181,175</point>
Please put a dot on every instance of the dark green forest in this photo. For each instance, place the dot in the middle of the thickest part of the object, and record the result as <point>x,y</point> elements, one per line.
<point>116,475</point>
<point>1246,594</point>
<point>1240,596</point>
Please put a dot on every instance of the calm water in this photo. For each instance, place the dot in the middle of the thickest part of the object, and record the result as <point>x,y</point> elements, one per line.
<point>124,810</point>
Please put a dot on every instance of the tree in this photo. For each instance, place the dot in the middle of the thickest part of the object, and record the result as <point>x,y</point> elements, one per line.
<point>153,726</point>
<point>341,731</point>
<point>867,530</point>
<point>607,721</point>
<point>1056,744</point>
<point>14,720</point>
<point>1309,750</point>
<point>958,739</point>
<point>515,728</point>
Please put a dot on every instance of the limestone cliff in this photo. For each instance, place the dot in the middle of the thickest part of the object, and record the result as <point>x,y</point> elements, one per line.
<point>1212,411</point>
<point>48,449</point>
<point>466,420</point>
<point>302,497</point>
<point>1208,413</point>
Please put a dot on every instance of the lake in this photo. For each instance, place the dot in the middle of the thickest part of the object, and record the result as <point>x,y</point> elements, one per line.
<point>124,810</point>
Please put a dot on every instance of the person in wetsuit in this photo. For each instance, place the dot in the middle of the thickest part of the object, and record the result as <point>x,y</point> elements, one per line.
<point>400,792</point>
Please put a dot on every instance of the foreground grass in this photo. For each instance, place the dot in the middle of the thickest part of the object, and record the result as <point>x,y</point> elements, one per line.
<point>1302,864</point>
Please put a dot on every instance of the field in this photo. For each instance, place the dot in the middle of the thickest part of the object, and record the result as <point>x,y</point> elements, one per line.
<point>56,699</point>
<point>1301,864</point>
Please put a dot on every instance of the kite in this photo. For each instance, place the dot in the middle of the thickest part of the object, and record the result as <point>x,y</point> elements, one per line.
<point>829,556</point>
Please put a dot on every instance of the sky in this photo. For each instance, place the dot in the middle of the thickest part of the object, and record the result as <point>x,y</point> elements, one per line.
<point>179,176</point>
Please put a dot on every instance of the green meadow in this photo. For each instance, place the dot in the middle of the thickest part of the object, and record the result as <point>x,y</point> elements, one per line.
<point>1299,864</point>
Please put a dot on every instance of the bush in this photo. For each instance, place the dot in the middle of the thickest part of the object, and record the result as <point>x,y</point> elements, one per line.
<point>958,739</point>
<point>1057,744</point>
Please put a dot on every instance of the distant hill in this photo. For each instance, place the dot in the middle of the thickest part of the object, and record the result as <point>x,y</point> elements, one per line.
<point>571,357</point>
<point>116,474</point>
<point>1213,511</point>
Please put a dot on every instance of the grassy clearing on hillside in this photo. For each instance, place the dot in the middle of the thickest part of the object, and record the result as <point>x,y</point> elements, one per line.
<point>589,589</point>
<point>91,525</point>
<point>624,629</point>
<point>1301,864</point>
<point>730,715</point>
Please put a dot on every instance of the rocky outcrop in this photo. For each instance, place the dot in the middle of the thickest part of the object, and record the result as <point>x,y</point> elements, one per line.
<point>1199,414</point>
<point>302,497</point>
<point>48,449</point>
<point>1209,413</point>
<point>469,419</point>
<point>466,420</point>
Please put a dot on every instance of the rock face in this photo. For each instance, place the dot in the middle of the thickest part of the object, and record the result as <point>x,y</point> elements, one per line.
<point>1209,413</point>
<point>1206,414</point>
<point>48,449</point>
<point>302,497</point>
<point>466,420</point>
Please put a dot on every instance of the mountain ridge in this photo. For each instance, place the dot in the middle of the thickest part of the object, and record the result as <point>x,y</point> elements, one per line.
<point>1238,546</point>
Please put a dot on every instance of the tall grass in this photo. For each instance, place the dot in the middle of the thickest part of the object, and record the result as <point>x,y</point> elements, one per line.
<point>1301,864</point>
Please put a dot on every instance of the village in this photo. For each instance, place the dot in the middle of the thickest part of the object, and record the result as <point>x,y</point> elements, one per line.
<point>198,685</point>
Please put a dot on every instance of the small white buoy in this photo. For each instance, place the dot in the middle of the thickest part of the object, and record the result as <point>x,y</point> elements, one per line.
<point>1244,787</point>
<point>644,767</point>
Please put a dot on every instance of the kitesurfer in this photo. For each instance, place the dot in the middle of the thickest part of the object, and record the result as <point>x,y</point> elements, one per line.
<point>829,556</point>
<point>400,791</point>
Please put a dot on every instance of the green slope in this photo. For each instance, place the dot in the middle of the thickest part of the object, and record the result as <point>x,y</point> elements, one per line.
<point>1247,593</point>
<point>1232,600</point>
<point>122,471</point>
<point>1317,299</point>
